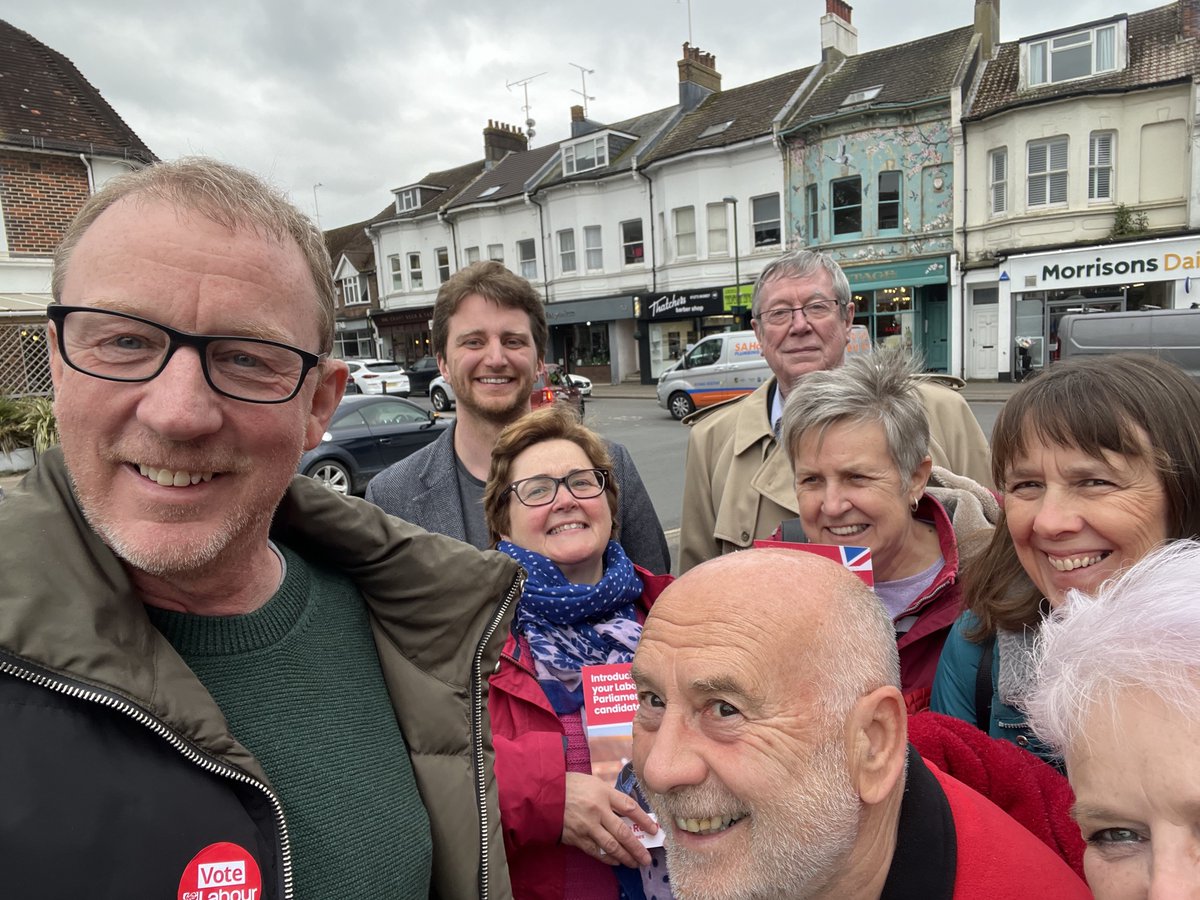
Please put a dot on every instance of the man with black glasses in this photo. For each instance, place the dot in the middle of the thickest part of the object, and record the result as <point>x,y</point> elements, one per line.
<point>738,485</point>
<point>216,679</point>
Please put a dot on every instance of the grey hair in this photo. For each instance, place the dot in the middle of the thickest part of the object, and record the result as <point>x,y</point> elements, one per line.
<point>860,651</point>
<point>802,264</point>
<point>226,195</point>
<point>1139,631</point>
<point>873,387</point>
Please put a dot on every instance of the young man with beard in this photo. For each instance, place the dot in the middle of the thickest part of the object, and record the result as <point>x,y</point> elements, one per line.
<point>489,337</point>
<point>215,677</point>
<point>738,483</point>
<point>771,742</point>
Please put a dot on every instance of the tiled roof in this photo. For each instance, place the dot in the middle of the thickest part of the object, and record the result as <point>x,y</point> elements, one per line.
<point>1157,55</point>
<point>45,101</point>
<point>453,180</point>
<point>642,127</point>
<point>905,73</point>
<point>508,176</point>
<point>750,109</point>
<point>352,241</point>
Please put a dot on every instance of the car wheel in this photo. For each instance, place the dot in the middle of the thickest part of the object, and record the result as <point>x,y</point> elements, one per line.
<point>351,387</point>
<point>439,400</point>
<point>681,405</point>
<point>332,474</point>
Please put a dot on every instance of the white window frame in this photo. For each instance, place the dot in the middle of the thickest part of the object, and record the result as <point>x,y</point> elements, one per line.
<point>593,248</point>
<point>998,181</point>
<point>683,218</point>
<point>471,255</point>
<point>717,215</point>
<point>596,157</point>
<point>1054,176</point>
<point>812,206</point>
<point>442,257</point>
<point>355,291</point>
<point>1102,166</point>
<point>566,255</point>
<point>1105,43</point>
<point>408,199</point>
<point>766,221</point>
<point>527,259</point>
<point>416,279</point>
<point>397,272</point>
<point>496,252</point>
<point>627,243</point>
<point>834,210</point>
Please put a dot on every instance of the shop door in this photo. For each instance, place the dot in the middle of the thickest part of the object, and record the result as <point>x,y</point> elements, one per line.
<point>937,346</point>
<point>985,327</point>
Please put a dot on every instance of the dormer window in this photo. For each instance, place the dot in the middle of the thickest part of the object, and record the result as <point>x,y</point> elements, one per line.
<point>409,199</point>
<point>585,155</point>
<point>1077,54</point>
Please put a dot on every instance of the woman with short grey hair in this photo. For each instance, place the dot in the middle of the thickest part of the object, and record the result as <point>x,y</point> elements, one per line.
<point>858,440</point>
<point>1117,694</point>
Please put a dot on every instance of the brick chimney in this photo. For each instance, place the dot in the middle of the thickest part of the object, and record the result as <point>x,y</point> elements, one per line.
<point>499,140</point>
<point>987,26</point>
<point>839,38</point>
<point>1189,18</point>
<point>577,113</point>
<point>698,77</point>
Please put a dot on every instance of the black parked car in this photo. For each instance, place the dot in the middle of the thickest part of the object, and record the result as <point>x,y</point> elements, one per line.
<point>420,373</point>
<point>367,434</point>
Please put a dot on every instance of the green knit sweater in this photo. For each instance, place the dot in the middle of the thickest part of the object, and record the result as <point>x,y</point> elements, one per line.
<point>300,685</point>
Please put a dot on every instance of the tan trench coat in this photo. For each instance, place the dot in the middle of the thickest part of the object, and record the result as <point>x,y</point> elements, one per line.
<point>738,482</point>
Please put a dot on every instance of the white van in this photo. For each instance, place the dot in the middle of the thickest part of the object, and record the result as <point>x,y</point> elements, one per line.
<point>718,368</point>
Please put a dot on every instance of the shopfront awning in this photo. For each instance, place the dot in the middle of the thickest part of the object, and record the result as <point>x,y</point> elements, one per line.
<point>24,305</point>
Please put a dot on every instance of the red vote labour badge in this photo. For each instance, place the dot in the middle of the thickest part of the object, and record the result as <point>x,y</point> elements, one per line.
<point>221,871</point>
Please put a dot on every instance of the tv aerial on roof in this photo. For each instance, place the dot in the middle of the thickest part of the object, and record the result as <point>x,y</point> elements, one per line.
<point>523,83</point>
<point>584,72</point>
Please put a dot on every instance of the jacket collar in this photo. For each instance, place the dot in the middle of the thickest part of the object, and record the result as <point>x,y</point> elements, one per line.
<point>754,417</point>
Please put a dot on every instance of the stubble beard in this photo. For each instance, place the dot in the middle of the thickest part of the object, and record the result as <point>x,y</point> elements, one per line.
<point>797,844</point>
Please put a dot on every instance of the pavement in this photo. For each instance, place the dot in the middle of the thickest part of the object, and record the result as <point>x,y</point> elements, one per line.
<point>974,392</point>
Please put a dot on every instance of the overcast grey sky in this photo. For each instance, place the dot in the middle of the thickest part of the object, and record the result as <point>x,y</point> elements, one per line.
<point>362,96</point>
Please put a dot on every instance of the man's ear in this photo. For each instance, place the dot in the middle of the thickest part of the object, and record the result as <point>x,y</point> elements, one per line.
<point>326,397</point>
<point>441,363</point>
<point>877,743</point>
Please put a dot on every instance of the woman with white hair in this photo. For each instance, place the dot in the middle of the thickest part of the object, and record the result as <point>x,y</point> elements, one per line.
<point>1118,695</point>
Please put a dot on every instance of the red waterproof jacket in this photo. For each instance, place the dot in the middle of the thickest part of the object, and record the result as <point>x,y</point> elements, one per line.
<point>531,766</point>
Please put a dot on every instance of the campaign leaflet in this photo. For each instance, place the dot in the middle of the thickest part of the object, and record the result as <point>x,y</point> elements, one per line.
<point>856,559</point>
<point>609,705</point>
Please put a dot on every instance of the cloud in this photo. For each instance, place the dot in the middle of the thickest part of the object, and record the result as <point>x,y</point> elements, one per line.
<point>363,96</point>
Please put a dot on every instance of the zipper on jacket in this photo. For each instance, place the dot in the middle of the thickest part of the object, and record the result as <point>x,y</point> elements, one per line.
<point>477,714</point>
<point>196,757</point>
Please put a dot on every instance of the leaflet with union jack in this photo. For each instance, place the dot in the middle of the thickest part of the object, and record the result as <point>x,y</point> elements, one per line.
<point>856,559</point>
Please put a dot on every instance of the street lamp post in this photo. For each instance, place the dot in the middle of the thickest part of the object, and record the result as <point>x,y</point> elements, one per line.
<point>737,257</point>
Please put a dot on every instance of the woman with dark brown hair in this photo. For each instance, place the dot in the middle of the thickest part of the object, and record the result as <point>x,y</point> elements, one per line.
<point>1098,460</point>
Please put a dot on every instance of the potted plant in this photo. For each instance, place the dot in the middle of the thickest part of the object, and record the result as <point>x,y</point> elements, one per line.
<point>27,428</point>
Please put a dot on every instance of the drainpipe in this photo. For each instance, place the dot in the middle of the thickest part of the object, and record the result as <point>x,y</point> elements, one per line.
<point>87,167</point>
<point>653,240</point>
<point>444,218</point>
<point>962,271</point>
<point>529,198</point>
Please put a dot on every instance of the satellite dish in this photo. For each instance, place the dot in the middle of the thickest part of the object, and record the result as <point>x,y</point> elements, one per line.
<point>530,123</point>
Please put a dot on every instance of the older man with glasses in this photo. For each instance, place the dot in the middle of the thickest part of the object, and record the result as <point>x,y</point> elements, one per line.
<point>738,485</point>
<point>216,678</point>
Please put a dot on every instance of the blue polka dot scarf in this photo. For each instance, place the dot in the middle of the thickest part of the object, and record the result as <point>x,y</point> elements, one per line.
<point>569,626</point>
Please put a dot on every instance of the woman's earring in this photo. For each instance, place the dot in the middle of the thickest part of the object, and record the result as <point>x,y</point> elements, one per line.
<point>913,505</point>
